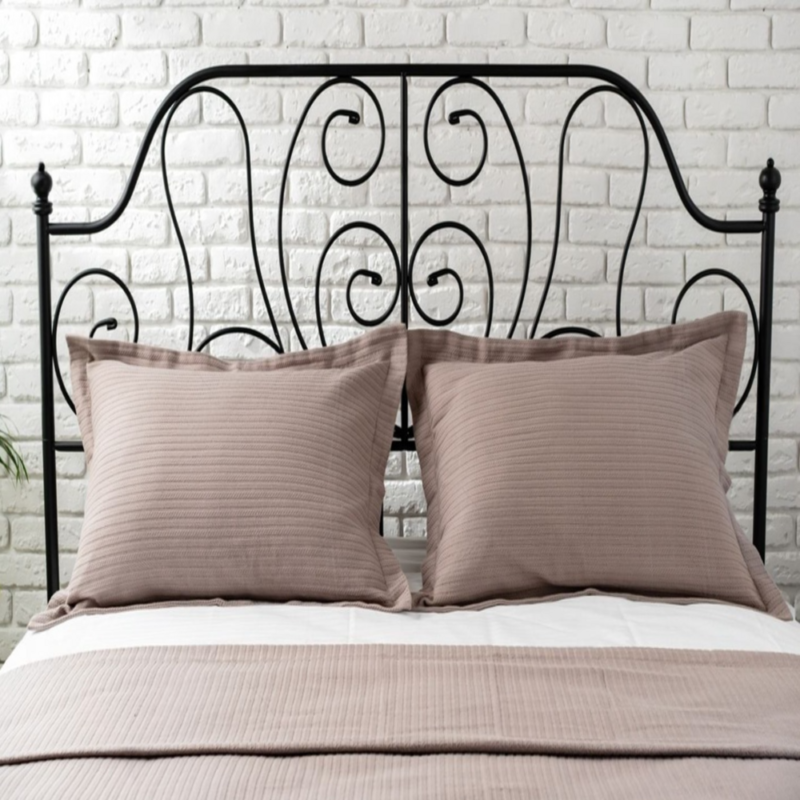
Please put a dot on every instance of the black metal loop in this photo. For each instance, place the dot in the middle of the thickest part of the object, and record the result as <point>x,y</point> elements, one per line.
<point>374,277</point>
<point>239,329</point>
<point>559,199</point>
<point>353,118</point>
<point>729,276</point>
<point>434,277</point>
<point>454,118</point>
<point>110,323</point>
<point>250,213</point>
<point>572,330</point>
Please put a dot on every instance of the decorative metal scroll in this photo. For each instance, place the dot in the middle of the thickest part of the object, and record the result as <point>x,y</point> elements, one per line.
<point>404,274</point>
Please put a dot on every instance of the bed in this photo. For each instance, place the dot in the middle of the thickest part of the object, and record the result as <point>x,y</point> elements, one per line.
<point>585,694</point>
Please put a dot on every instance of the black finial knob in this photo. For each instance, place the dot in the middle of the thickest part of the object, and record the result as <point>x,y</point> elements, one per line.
<point>770,181</point>
<point>42,182</point>
<point>770,178</point>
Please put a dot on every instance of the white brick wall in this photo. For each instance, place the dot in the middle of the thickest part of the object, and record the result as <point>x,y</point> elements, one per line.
<point>78,83</point>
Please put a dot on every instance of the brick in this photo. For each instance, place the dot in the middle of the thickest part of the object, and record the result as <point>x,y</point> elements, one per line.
<point>602,226</point>
<point>128,69</point>
<point>726,110</point>
<point>329,28</point>
<point>17,29</point>
<point>78,30</point>
<point>689,5</point>
<point>242,27</point>
<point>648,32</point>
<point>48,68</point>
<point>136,108</point>
<point>55,148</point>
<point>751,149</point>
<point>764,70</point>
<point>96,109</point>
<point>160,28</point>
<point>498,27</point>
<point>729,32</point>
<point>19,108</point>
<point>404,29</point>
<point>205,148</point>
<point>687,71</point>
<point>784,111</point>
<point>575,29</point>
<point>786,31</point>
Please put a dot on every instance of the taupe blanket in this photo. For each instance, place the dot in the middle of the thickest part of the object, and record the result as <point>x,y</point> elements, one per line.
<point>402,721</point>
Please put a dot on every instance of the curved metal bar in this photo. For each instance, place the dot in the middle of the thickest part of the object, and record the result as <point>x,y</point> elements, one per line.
<point>574,330</point>
<point>454,118</point>
<point>110,323</point>
<point>723,273</point>
<point>240,329</point>
<point>559,202</point>
<point>434,277</point>
<point>250,213</point>
<point>374,277</point>
<point>353,118</point>
<point>411,71</point>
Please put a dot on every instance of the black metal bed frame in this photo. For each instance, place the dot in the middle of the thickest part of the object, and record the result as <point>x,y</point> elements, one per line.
<point>404,261</point>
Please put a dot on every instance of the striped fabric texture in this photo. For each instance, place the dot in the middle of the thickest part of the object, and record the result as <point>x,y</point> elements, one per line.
<point>613,705</point>
<point>561,465</point>
<point>255,480</point>
<point>369,776</point>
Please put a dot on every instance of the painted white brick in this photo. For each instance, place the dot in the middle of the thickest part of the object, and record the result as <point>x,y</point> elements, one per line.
<point>78,30</point>
<point>55,148</point>
<point>204,147</point>
<point>784,111</point>
<point>786,31</point>
<point>328,28</point>
<point>689,5</point>
<point>496,27</point>
<point>242,27</point>
<point>725,110</point>
<point>404,29</point>
<point>687,71</point>
<point>749,149</point>
<point>17,28</point>
<point>97,109</point>
<point>48,68</point>
<point>598,303</point>
<point>648,32</point>
<point>128,69</point>
<point>573,29</point>
<point>764,70</point>
<point>729,32</point>
<point>19,107</point>
<point>602,226</point>
<point>160,28</point>
<point>136,108</point>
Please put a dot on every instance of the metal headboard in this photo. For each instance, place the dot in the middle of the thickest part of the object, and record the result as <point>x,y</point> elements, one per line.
<point>404,260</point>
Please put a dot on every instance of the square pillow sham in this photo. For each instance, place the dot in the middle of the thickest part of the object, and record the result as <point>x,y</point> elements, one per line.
<point>570,465</point>
<point>235,480</point>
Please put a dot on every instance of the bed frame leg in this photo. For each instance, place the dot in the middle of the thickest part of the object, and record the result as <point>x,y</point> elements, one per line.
<point>770,180</point>
<point>42,207</point>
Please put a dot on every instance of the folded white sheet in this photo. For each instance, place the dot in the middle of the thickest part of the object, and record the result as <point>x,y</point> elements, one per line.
<point>574,622</point>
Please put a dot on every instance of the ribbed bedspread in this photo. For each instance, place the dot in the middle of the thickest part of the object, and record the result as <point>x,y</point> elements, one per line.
<point>402,721</point>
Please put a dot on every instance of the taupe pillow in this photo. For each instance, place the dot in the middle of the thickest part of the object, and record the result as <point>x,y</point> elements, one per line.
<point>255,480</point>
<point>572,464</point>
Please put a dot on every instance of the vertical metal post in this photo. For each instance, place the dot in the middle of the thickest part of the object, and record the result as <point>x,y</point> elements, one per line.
<point>42,184</point>
<point>404,234</point>
<point>770,181</point>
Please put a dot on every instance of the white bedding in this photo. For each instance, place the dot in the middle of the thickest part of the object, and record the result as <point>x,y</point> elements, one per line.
<point>573,622</point>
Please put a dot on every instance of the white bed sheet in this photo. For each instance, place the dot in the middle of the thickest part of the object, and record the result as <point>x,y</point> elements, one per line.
<point>572,622</point>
